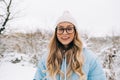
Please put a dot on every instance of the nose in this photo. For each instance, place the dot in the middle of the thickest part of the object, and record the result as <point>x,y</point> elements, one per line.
<point>64,31</point>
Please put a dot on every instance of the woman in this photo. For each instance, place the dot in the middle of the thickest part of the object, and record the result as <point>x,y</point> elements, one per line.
<point>67,58</point>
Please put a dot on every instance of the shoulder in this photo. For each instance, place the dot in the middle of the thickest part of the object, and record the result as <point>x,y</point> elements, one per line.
<point>89,55</point>
<point>90,58</point>
<point>42,61</point>
<point>41,68</point>
<point>94,67</point>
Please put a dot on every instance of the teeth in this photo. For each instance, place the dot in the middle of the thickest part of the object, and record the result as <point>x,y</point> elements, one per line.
<point>65,37</point>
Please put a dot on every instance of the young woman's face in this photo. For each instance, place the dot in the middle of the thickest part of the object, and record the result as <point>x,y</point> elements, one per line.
<point>65,32</point>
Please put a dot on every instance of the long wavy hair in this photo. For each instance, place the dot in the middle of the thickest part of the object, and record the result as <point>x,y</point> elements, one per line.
<point>74,57</point>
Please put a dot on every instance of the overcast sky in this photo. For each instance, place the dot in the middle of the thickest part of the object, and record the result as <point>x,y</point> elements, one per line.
<point>96,16</point>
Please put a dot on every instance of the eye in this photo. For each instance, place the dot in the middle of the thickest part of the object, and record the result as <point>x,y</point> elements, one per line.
<point>60,29</point>
<point>69,28</point>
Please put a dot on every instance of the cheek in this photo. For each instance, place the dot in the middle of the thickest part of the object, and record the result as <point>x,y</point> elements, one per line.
<point>72,36</point>
<point>58,37</point>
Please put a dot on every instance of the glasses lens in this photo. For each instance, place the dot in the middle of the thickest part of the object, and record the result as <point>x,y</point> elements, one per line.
<point>70,29</point>
<point>60,30</point>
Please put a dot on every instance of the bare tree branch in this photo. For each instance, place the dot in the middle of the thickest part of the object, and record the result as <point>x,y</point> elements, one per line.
<point>0,0</point>
<point>8,15</point>
<point>14,15</point>
<point>1,15</point>
<point>8,11</point>
<point>5,2</point>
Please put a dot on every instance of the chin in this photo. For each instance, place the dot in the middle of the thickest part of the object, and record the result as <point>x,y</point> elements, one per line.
<point>65,44</point>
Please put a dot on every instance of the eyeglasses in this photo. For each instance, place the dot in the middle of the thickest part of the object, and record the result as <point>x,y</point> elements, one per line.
<point>61,30</point>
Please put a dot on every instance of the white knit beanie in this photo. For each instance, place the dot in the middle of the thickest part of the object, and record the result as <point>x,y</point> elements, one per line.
<point>66,17</point>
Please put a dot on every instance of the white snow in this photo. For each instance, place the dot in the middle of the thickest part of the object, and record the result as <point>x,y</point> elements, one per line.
<point>18,58</point>
<point>22,70</point>
<point>10,71</point>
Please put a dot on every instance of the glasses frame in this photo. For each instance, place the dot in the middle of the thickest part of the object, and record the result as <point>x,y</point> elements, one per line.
<point>65,29</point>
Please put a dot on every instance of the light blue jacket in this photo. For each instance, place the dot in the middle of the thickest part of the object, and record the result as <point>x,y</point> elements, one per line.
<point>92,68</point>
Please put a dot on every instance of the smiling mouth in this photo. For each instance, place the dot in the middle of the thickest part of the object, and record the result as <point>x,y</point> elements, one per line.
<point>65,38</point>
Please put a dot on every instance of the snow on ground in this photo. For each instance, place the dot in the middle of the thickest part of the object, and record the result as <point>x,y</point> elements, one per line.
<point>10,71</point>
<point>22,70</point>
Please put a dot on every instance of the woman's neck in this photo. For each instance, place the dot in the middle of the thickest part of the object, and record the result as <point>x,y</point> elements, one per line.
<point>65,46</point>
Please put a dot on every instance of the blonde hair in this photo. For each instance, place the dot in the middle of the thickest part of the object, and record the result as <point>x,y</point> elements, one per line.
<point>74,55</point>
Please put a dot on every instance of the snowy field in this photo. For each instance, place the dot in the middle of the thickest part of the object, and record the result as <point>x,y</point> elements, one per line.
<point>11,68</point>
<point>19,54</point>
<point>10,71</point>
